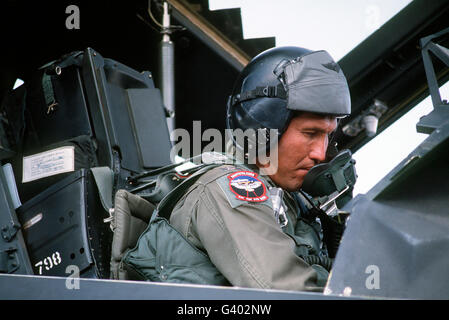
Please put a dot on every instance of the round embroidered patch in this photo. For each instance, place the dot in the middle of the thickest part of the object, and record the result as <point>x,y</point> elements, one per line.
<point>246,186</point>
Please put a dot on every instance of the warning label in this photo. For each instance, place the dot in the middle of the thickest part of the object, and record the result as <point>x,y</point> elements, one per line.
<point>48,163</point>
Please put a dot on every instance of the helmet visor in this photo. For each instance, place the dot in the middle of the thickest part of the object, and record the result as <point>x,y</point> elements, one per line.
<point>315,83</point>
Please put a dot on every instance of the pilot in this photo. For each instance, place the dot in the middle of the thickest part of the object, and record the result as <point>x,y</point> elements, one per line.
<point>249,217</point>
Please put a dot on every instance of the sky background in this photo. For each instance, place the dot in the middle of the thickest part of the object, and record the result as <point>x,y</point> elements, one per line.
<point>338,27</point>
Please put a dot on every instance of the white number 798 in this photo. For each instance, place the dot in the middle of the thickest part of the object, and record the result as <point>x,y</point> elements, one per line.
<point>49,262</point>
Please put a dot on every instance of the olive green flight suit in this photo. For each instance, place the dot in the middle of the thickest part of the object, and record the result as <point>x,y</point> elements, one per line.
<point>243,239</point>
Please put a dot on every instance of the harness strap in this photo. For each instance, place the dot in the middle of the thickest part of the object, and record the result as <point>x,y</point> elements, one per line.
<point>47,88</point>
<point>165,207</point>
<point>50,68</point>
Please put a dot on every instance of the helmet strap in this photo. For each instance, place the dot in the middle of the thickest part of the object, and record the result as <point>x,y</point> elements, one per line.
<point>260,92</point>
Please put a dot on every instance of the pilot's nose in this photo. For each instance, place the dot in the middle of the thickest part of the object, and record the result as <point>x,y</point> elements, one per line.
<point>318,150</point>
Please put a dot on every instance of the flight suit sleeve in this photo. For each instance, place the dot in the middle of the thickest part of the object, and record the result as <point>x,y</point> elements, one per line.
<point>246,243</point>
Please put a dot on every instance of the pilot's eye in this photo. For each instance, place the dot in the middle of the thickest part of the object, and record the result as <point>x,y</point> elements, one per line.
<point>309,134</point>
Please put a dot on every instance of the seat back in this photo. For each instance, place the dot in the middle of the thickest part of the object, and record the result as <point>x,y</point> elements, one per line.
<point>132,214</point>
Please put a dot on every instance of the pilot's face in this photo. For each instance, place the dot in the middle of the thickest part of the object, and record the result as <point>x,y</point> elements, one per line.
<point>302,146</point>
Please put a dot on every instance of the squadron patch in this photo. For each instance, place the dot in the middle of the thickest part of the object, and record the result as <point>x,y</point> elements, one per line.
<point>247,187</point>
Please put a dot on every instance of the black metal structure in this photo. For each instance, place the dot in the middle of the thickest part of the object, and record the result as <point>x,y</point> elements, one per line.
<point>64,226</point>
<point>401,228</point>
<point>441,110</point>
<point>13,252</point>
<point>399,231</point>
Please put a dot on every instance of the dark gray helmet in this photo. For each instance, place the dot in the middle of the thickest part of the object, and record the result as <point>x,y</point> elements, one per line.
<point>282,80</point>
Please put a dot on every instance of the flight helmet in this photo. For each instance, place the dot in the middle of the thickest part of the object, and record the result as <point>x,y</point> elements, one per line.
<point>279,82</point>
